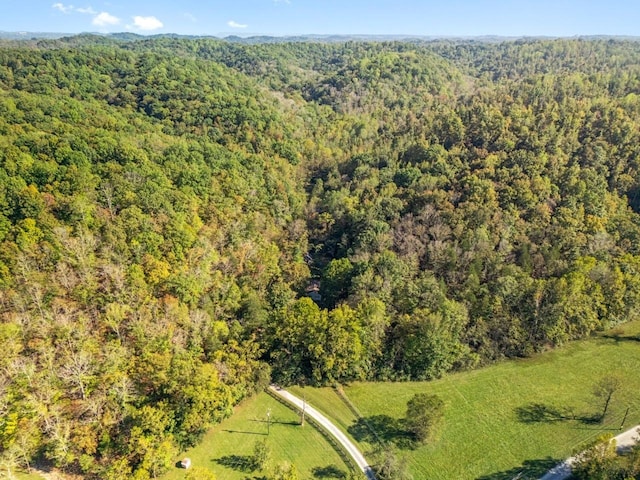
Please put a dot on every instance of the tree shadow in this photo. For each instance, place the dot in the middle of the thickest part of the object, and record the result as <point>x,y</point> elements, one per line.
<point>618,338</point>
<point>240,463</point>
<point>593,419</point>
<point>245,432</point>
<point>330,471</point>
<point>275,421</point>
<point>543,413</point>
<point>382,429</point>
<point>529,470</point>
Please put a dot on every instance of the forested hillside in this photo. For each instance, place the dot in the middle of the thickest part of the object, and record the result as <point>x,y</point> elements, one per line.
<point>165,203</point>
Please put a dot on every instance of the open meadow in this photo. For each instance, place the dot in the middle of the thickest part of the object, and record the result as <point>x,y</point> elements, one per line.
<point>516,417</point>
<point>227,448</point>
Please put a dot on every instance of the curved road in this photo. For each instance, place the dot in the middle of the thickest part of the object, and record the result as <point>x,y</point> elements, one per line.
<point>329,427</point>
<point>623,441</point>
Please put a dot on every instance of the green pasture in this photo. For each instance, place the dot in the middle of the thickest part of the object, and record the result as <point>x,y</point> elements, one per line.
<point>515,417</point>
<point>226,449</point>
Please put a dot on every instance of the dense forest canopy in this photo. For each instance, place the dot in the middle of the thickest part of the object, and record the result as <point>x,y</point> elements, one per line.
<point>166,202</point>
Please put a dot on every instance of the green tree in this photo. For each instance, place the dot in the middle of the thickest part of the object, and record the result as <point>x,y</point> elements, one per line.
<point>336,280</point>
<point>150,443</point>
<point>392,467</point>
<point>285,471</point>
<point>425,344</point>
<point>261,455</point>
<point>199,473</point>
<point>598,461</point>
<point>424,415</point>
<point>313,343</point>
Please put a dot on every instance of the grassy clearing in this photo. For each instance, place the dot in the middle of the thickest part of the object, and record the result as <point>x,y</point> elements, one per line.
<point>513,417</point>
<point>25,476</point>
<point>232,442</point>
<point>321,398</point>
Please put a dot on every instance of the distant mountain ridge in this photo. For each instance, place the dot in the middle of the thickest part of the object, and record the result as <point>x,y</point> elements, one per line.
<point>323,38</point>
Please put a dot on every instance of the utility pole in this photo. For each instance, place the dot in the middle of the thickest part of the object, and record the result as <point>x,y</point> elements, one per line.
<point>304,406</point>
<point>268,422</point>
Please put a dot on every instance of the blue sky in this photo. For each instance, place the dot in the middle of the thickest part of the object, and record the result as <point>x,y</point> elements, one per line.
<point>291,17</point>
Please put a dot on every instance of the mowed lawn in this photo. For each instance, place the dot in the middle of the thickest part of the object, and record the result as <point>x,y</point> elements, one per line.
<point>516,417</point>
<point>227,446</point>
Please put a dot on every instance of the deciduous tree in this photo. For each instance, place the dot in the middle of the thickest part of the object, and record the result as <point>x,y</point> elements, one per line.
<point>425,413</point>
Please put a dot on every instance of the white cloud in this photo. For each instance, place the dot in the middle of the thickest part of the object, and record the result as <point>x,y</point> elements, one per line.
<point>62,7</point>
<point>147,23</point>
<point>70,8</point>
<point>191,17</point>
<point>233,24</point>
<point>103,19</point>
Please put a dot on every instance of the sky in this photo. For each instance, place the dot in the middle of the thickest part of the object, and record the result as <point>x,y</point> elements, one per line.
<point>295,17</point>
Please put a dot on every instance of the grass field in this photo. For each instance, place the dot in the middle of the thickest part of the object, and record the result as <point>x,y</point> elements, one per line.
<point>228,446</point>
<point>25,476</point>
<point>515,417</point>
<point>337,411</point>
